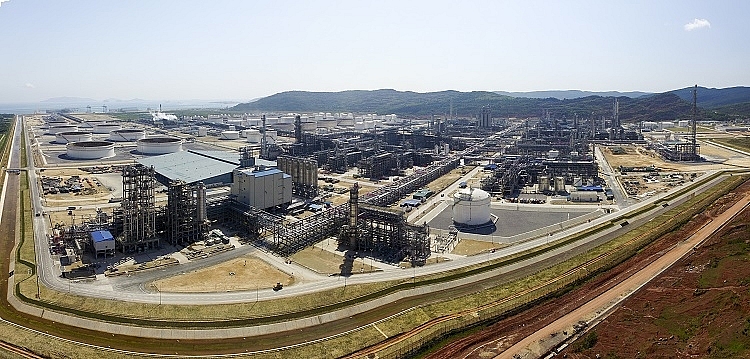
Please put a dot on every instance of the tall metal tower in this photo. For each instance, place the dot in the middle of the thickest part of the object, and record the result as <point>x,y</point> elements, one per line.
<point>694,120</point>
<point>298,128</point>
<point>263,140</point>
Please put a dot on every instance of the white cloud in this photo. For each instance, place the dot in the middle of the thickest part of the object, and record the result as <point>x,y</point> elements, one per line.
<point>697,24</point>
<point>28,84</point>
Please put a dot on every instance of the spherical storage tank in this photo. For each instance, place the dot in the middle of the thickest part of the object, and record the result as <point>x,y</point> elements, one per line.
<point>90,150</point>
<point>159,145</point>
<point>127,135</point>
<point>471,207</point>
<point>106,127</point>
<point>72,136</point>
<point>54,130</point>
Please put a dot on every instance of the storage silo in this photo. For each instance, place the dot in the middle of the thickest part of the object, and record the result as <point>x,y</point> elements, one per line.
<point>72,136</point>
<point>543,184</point>
<point>159,145</point>
<point>90,150</point>
<point>471,207</point>
<point>559,184</point>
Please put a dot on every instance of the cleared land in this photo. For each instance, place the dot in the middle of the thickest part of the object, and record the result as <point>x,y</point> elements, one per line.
<point>696,308</point>
<point>244,273</point>
<point>325,262</point>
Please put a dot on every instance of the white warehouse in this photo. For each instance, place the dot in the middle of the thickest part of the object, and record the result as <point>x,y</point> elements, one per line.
<point>262,188</point>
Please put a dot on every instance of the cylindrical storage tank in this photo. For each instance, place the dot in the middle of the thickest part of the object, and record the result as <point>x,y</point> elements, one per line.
<point>202,131</point>
<point>328,123</point>
<point>359,126</point>
<point>369,124</point>
<point>127,135</point>
<point>309,126</point>
<point>106,127</point>
<point>285,120</point>
<point>345,122</point>
<point>54,130</point>
<point>559,184</point>
<point>159,145</point>
<point>543,183</point>
<point>90,150</point>
<point>229,135</point>
<point>271,121</point>
<point>471,207</point>
<point>72,136</point>
<point>253,136</point>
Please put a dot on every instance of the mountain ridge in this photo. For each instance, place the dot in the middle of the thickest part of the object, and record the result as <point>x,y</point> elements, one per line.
<point>653,107</point>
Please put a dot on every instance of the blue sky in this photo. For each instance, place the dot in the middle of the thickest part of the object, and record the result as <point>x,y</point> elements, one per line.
<point>214,50</point>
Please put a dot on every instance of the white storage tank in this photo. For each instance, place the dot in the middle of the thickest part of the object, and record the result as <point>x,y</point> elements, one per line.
<point>229,135</point>
<point>159,145</point>
<point>359,126</point>
<point>106,127</point>
<point>202,131</point>
<point>328,123</point>
<point>471,207</point>
<point>72,136</point>
<point>309,126</point>
<point>90,150</point>
<point>54,130</point>
<point>253,136</point>
<point>127,135</point>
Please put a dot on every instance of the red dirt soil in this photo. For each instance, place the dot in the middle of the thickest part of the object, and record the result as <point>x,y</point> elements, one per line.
<point>675,283</point>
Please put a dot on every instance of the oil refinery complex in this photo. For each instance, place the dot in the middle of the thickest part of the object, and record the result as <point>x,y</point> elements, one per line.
<point>241,208</point>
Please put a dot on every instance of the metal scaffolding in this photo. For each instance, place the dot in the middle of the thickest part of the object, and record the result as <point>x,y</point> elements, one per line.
<point>186,213</point>
<point>138,209</point>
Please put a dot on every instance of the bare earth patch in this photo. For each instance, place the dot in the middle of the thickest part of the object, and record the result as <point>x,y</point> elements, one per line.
<point>325,262</point>
<point>470,247</point>
<point>244,273</point>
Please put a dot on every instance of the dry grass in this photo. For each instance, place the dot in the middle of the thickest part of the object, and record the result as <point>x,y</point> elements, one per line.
<point>244,273</point>
<point>470,247</point>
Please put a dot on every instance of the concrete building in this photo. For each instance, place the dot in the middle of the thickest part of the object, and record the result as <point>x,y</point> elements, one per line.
<point>103,242</point>
<point>262,188</point>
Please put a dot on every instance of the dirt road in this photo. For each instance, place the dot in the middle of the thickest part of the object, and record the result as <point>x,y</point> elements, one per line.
<point>536,344</point>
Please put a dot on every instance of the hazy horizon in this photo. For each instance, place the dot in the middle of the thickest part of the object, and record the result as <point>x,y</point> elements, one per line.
<point>239,51</point>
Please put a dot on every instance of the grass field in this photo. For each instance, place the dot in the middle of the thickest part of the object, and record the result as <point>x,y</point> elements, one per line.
<point>740,143</point>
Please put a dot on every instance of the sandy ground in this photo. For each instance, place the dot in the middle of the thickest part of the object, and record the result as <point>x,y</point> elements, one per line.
<point>244,273</point>
<point>325,262</point>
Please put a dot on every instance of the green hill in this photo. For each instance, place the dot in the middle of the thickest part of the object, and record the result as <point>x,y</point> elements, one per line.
<point>666,106</point>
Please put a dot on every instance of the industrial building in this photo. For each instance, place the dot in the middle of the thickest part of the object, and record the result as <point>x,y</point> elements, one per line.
<point>193,166</point>
<point>262,188</point>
